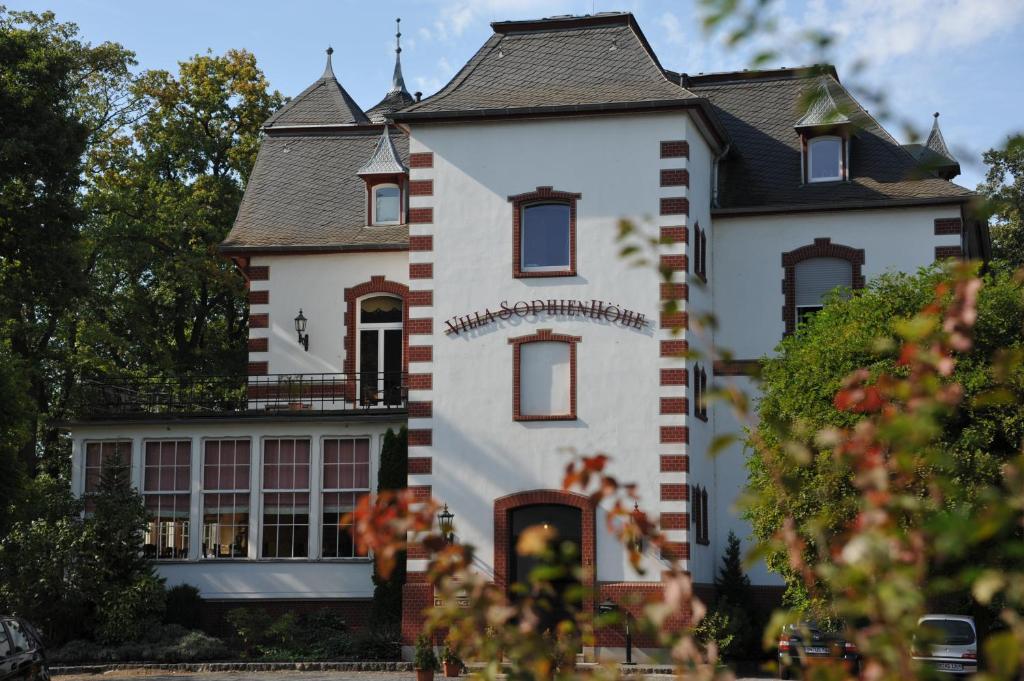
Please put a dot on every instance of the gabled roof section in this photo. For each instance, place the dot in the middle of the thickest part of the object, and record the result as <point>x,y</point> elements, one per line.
<point>822,110</point>
<point>385,160</point>
<point>579,63</point>
<point>324,103</point>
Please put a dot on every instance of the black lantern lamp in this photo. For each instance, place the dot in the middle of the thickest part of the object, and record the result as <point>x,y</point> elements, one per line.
<point>637,542</point>
<point>445,521</point>
<point>300,328</point>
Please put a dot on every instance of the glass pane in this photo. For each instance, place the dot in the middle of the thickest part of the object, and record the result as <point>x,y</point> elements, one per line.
<point>824,155</point>
<point>545,236</point>
<point>387,209</point>
<point>380,310</point>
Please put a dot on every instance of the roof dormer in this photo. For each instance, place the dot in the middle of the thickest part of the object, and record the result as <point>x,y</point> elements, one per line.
<point>385,176</point>
<point>824,138</point>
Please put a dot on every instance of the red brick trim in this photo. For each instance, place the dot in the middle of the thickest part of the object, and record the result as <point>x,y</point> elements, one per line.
<point>674,235</point>
<point>674,348</point>
<point>674,205</point>
<point>675,149</point>
<point>421,243</point>
<point>674,320</point>
<point>417,551</point>
<point>421,187</point>
<point>502,532</point>
<point>421,410</point>
<point>541,195</point>
<point>676,550</point>
<point>674,435</point>
<point>944,252</point>
<point>633,597</point>
<point>421,326</point>
<point>420,437</point>
<point>674,405</point>
<point>257,272</point>
<point>421,159</point>
<point>373,181</point>
<point>258,368</point>
<point>258,297</point>
<point>417,598</point>
<point>543,336</point>
<point>672,491</point>
<point>259,321</point>
<point>421,270</point>
<point>673,521</point>
<point>948,226</point>
<point>421,216</point>
<point>821,248</point>
<point>421,465</point>
<point>420,493</point>
<point>675,463</point>
<point>377,284</point>
<point>674,377</point>
<point>258,344</point>
<point>736,367</point>
<point>674,263</point>
<point>421,353</point>
<point>421,298</point>
<point>421,381</point>
<point>675,177</point>
<point>673,291</point>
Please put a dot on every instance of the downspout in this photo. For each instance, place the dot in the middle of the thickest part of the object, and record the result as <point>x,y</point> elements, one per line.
<point>714,175</point>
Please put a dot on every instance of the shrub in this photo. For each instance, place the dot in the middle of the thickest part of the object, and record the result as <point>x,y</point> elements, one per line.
<point>321,635</point>
<point>251,626</point>
<point>127,614</point>
<point>383,642</point>
<point>161,644</point>
<point>714,628</point>
<point>425,659</point>
<point>183,606</point>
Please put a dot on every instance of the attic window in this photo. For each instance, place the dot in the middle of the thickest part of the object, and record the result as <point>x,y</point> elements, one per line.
<point>387,204</point>
<point>825,159</point>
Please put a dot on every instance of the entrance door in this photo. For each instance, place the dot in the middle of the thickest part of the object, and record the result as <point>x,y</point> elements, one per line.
<point>380,350</point>
<point>567,521</point>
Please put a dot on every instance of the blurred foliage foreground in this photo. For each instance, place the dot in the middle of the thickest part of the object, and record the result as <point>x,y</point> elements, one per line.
<point>876,571</point>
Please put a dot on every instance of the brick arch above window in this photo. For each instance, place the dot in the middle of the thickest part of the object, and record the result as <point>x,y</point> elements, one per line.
<point>542,336</point>
<point>541,195</point>
<point>377,284</point>
<point>821,248</point>
<point>543,497</point>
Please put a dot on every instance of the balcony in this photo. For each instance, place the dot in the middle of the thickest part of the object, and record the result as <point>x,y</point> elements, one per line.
<point>291,395</point>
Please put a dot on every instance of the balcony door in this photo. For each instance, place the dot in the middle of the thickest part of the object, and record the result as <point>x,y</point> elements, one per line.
<point>380,351</point>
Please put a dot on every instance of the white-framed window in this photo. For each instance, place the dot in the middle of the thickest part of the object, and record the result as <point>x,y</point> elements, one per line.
<point>825,159</point>
<point>226,498</point>
<point>285,498</point>
<point>815,279</point>
<point>346,478</point>
<point>110,452</point>
<point>166,485</point>
<point>546,237</point>
<point>380,350</point>
<point>387,204</point>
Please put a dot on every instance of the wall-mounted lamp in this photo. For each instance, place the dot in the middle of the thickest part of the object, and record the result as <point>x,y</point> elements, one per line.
<point>446,522</point>
<point>637,542</point>
<point>300,328</point>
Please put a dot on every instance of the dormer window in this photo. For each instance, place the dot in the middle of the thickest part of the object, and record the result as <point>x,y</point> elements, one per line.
<point>825,159</point>
<point>387,204</point>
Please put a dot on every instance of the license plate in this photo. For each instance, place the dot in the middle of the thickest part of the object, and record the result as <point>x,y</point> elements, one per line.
<point>949,667</point>
<point>816,651</point>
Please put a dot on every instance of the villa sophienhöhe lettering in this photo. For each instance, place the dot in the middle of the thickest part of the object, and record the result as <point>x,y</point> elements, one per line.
<point>595,309</point>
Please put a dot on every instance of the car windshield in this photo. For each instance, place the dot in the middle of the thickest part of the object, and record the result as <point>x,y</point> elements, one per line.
<point>947,632</point>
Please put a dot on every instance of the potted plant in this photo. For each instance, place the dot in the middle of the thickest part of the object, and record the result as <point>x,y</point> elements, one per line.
<point>425,661</point>
<point>450,660</point>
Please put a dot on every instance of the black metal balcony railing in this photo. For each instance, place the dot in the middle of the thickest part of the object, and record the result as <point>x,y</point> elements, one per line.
<point>296,394</point>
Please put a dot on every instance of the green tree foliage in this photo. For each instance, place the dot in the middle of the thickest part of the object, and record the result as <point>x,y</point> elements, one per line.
<point>734,600</point>
<point>392,475</point>
<point>1003,189</point>
<point>16,418</point>
<point>799,385</point>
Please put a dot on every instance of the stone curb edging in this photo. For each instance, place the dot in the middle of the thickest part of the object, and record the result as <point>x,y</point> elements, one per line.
<point>236,667</point>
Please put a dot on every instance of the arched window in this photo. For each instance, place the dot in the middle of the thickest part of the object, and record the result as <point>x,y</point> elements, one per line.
<point>812,271</point>
<point>815,279</point>
<point>380,350</point>
<point>825,159</point>
<point>387,204</point>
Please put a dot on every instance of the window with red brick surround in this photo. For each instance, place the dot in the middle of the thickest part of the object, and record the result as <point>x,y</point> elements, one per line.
<point>374,181</point>
<point>821,248</point>
<point>542,336</point>
<point>541,195</point>
<point>377,284</point>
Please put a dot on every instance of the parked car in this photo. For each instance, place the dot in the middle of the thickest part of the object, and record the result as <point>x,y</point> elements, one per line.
<point>22,655</point>
<point>804,644</point>
<point>949,643</point>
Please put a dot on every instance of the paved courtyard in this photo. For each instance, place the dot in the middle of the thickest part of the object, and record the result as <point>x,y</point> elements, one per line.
<point>121,675</point>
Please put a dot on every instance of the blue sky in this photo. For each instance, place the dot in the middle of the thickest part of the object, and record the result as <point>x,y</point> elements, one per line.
<point>962,58</point>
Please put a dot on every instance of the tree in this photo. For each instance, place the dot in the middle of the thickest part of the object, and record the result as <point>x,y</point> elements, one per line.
<point>393,475</point>
<point>1003,190</point>
<point>734,600</point>
<point>800,384</point>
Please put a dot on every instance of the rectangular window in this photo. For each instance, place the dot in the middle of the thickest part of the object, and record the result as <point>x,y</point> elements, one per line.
<point>700,389</point>
<point>226,465</point>
<point>700,252</point>
<point>166,482</point>
<point>545,379</point>
<point>285,498</point>
<point>545,235</point>
<point>113,453</point>
<point>346,479</point>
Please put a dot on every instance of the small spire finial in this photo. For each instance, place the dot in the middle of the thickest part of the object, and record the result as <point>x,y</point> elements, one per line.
<point>936,114</point>
<point>328,70</point>
<point>397,80</point>
<point>398,35</point>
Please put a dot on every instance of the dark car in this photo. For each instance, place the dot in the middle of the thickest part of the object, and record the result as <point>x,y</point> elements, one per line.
<point>21,651</point>
<point>805,644</point>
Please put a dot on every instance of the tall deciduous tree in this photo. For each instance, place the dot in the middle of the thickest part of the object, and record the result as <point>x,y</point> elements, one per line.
<point>1004,189</point>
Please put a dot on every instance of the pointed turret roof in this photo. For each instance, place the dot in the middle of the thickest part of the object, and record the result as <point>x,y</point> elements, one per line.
<point>324,103</point>
<point>398,96</point>
<point>934,156</point>
<point>936,142</point>
<point>385,159</point>
<point>822,110</point>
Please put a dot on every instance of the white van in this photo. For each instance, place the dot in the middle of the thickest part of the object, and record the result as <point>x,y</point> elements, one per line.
<point>949,643</point>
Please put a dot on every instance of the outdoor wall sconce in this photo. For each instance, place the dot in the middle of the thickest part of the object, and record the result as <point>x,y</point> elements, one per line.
<point>637,542</point>
<point>445,521</point>
<point>300,328</point>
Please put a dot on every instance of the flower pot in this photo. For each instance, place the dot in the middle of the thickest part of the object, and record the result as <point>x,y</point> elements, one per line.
<point>424,675</point>
<point>452,669</point>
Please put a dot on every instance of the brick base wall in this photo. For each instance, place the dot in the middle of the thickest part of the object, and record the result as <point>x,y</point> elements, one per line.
<point>213,614</point>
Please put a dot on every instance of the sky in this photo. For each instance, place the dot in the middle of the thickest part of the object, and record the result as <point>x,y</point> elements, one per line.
<point>963,58</point>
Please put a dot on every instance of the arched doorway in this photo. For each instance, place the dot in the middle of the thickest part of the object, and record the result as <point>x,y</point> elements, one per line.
<point>380,351</point>
<point>567,524</point>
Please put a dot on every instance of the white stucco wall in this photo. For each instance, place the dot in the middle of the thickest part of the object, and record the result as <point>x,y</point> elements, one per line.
<point>479,452</point>
<point>316,284</point>
<point>299,578</point>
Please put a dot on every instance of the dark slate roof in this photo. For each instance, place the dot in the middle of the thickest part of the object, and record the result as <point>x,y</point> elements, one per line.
<point>385,160</point>
<point>762,170</point>
<point>324,103</point>
<point>304,194</point>
<point>822,110</point>
<point>392,102</point>
<point>576,62</point>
